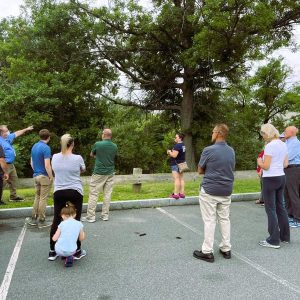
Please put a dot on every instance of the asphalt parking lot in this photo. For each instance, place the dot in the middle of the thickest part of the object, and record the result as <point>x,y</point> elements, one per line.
<point>147,254</point>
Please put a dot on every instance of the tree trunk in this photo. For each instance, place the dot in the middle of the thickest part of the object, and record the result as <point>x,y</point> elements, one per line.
<point>186,122</point>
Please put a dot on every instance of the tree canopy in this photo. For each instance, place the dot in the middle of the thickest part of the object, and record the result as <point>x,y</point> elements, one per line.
<point>179,65</point>
<point>183,49</point>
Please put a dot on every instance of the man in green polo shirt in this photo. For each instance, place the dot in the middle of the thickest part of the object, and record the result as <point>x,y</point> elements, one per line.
<point>102,179</point>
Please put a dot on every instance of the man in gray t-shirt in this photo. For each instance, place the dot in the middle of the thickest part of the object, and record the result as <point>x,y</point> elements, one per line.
<point>217,163</point>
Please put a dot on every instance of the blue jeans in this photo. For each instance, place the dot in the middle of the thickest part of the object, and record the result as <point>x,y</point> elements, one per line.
<point>278,224</point>
<point>175,168</point>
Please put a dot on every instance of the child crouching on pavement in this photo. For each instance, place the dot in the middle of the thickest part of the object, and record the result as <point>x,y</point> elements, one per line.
<point>67,234</point>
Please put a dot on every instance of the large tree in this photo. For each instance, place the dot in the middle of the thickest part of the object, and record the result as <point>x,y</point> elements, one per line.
<point>183,48</point>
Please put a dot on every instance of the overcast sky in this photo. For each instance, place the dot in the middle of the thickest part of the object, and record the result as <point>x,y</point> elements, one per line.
<point>12,8</point>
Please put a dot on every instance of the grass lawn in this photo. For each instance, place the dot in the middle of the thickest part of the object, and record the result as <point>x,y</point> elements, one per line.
<point>149,191</point>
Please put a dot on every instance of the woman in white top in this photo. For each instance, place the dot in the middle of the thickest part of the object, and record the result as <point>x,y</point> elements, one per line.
<point>274,161</point>
<point>67,187</point>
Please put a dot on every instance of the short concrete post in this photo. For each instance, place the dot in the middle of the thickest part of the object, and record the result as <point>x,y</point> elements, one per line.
<point>137,185</point>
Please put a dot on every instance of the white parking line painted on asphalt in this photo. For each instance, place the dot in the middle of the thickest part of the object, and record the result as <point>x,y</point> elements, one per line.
<point>11,265</point>
<point>178,221</point>
<point>241,257</point>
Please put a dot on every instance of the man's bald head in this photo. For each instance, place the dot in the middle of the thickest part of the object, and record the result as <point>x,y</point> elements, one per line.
<point>106,134</point>
<point>290,131</point>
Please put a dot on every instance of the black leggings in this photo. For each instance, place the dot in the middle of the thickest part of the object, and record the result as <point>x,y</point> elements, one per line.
<point>278,224</point>
<point>60,199</point>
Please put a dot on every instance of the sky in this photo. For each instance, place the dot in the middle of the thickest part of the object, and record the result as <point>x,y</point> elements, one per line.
<point>292,59</point>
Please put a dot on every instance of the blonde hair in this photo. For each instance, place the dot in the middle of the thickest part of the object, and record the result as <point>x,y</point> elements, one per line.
<point>66,141</point>
<point>269,131</point>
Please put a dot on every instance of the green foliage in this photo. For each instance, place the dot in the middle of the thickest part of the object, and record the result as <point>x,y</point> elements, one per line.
<point>50,77</point>
<point>269,90</point>
<point>142,140</point>
<point>182,49</point>
<point>61,61</point>
<point>261,98</point>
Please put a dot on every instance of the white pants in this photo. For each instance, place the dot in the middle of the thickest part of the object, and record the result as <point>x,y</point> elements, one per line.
<point>215,209</point>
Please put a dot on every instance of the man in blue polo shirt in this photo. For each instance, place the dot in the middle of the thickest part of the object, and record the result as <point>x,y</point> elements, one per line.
<point>43,177</point>
<point>217,163</point>
<point>6,141</point>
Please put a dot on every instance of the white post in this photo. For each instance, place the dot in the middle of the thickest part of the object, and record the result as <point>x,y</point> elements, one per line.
<point>137,185</point>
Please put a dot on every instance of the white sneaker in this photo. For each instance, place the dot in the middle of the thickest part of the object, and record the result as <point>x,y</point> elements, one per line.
<point>52,255</point>
<point>44,224</point>
<point>87,219</point>
<point>31,221</point>
<point>79,254</point>
<point>104,218</point>
<point>266,244</point>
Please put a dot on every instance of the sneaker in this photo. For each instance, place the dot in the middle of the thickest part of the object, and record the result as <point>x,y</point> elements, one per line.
<point>43,224</point>
<point>104,218</point>
<point>285,242</point>
<point>295,224</point>
<point>52,255</point>
<point>16,199</point>
<point>181,195</point>
<point>174,196</point>
<point>87,219</point>
<point>79,254</point>
<point>2,203</point>
<point>226,254</point>
<point>209,257</point>
<point>266,244</point>
<point>69,261</point>
<point>31,221</point>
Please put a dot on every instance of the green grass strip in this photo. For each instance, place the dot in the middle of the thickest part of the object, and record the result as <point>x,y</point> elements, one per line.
<point>149,190</point>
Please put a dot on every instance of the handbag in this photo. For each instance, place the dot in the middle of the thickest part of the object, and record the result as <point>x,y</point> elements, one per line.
<point>183,167</point>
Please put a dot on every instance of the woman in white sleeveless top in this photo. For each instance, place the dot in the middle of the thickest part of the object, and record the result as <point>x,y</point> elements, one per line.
<point>274,161</point>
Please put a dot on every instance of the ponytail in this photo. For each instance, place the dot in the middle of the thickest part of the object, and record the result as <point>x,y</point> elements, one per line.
<point>66,141</point>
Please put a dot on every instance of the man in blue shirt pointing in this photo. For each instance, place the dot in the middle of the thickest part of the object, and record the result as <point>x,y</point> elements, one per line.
<point>6,141</point>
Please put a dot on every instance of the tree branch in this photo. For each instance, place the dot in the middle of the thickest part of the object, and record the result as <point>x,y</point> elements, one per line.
<point>144,107</point>
<point>111,24</point>
<point>288,19</point>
